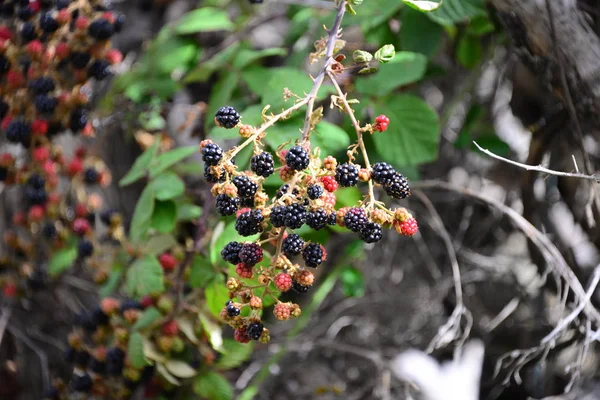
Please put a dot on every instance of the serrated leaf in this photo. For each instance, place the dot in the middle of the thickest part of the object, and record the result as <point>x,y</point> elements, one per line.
<point>135,351</point>
<point>213,386</point>
<point>145,276</point>
<point>406,67</point>
<point>168,186</point>
<point>158,244</point>
<point>246,57</point>
<point>420,34</point>
<point>216,296</point>
<point>164,217</point>
<point>111,284</point>
<point>187,212</point>
<point>204,19</point>
<point>213,331</point>
<point>142,215</point>
<point>234,354</point>
<point>205,69</point>
<point>329,138</point>
<point>202,272</point>
<point>187,328</point>
<point>174,52</point>
<point>148,317</point>
<point>160,367</point>
<point>413,134</point>
<point>452,11</point>
<point>170,158</point>
<point>62,260</point>
<point>140,165</point>
<point>423,5</point>
<point>180,369</point>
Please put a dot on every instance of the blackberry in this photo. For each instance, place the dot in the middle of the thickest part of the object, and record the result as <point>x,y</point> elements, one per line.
<point>79,60</point>
<point>284,189</point>
<point>262,164</point>
<point>25,13</point>
<point>130,304</point>
<point>18,132</point>
<point>99,69</point>
<point>81,383</point>
<point>3,174</point>
<point>398,188</point>
<point>313,255</point>
<point>3,109</point>
<point>81,358</point>
<point>90,176</point>
<point>101,29</point>
<point>119,22</point>
<point>346,175</point>
<point>277,216</point>
<point>230,252</point>
<point>371,232</point>
<point>211,177</point>
<point>97,366</point>
<point>251,254</point>
<point>295,215</point>
<point>245,186</point>
<point>106,216</point>
<point>383,173</point>
<point>78,120</point>
<point>212,154</point>
<point>45,104</point>
<point>42,85</point>
<point>297,158</point>
<point>227,117</point>
<point>37,279</point>
<point>314,191</point>
<point>227,205</point>
<point>292,245</point>
<point>99,318</point>
<point>254,330</point>
<point>232,310</point>
<point>47,23</point>
<point>61,4</point>
<point>28,32</point>
<point>85,249</point>
<point>85,320</point>
<point>247,202</point>
<point>36,181</point>
<point>332,218</point>
<point>69,355</point>
<point>299,288</point>
<point>4,64</point>
<point>51,394</point>
<point>317,219</point>
<point>249,223</point>
<point>255,1</point>
<point>49,230</point>
<point>355,219</point>
<point>35,196</point>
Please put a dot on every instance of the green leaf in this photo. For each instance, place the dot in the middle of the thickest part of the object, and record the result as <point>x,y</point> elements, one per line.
<point>213,386</point>
<point>142,215</point>
<point>246,57</point>
<point>353,282</point>
<point>201,272</point>
<point>419,34</point>
<point>423,5</point>
<point>135,351</point>
<point>180,369</point>
<point>62,260</point>
<point>480,26</point>
<point>453,11</point>
<point>295,80</point>
<point>204,19</point>
<point>329,138</point>
<point>213,331</point>
<point>206,68</point>
<point>234,354</point>
<point>249,393</point>
<point>405,68</point>
<point>221,94</point>
<point>413,134</point>
<point>469,51</point>
<point>159,244</point>
<point>170,158</point>
<point>167,186</point>
<point>141,164</point>
<point>187,211</point>
<point>144,276</point>
<point>164,217</point>
<point>148,317</point>
<point>175,52</point>
<point>111,284</point>
<point>216,296</point>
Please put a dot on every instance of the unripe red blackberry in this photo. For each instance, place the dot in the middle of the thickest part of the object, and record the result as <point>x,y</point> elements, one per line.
<point>371,232</point>
<point>318,219</point>
<point>283,282</point>
<point>230,252</point>
<point>81,226</point>
<point>329,183</point>
<point>244,271</point>
<point>346,175</point>
<point>254,330</point>
<point>212,154</point>
<point>314,191</point>
<point>251,254</point>
<point>355,219</point>
<point>170,328</point>
<point>245,186</point>
<point>408,227</point>
<point>381,123</point>
<point>240,335</point>
<point>262,164</point>
<point>281,311</point>
<point>227,117</point>
<point>297,158</point>
<point>313,255</point>
<point>292,245</point>
<point>167,261</point>
<point>398,188</point>
<point>226,205</point>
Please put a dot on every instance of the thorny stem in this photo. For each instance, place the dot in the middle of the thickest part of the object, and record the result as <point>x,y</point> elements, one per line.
<point>359,133</point>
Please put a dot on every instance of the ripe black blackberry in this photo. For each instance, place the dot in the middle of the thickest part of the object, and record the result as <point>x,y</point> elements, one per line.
<point>230,252</point>
<point>45,104</point>
<point>232,310</point>
<point>3,174</point>
<point>49,231</point>
<point>317,219</point>
<point>97,366</point>
<point>60,4</point>
<point>85,249</point>
<point>292,245</point>
<point>78,120</point>
<point>245,186</point>
<point>227,205</point>
<point>28,32</point>
<point>383,173</point>
<point>295,215</point>
<point>42,85</point>
<point>106,216</point>
<point>284,190</point>
<point>355,219</point>
<point>247,202</point>
<point>314,191</point>
<point>332,218</point>
<point>277,216</point>
<point>212,154</point>
<point>227,117</point>
<point>130,304</point>
<point>251,254</point>
<point>101,29</point>
<point>254,330</point>
<point>299,288</point>
<point>99,69</point>
<point>36,181</point>
<point>249,223</point>
<point>313,255</point>
<point>79,60</point>
<point>114,361</point>
<point>81,358</point>
<point>119,22</point>
<point>297,158</point>
<point>398,188</point>
<point>371,232</point>
<point>91,176</point>
<point>18,131</point>
<point>35,196</point>
<point>98,317</point>
<point>346,175</point>
<point>210,176</point>
<point>262,164</point>
<point>255,1</point>
<point>47,23</point>
<point>81,383</point>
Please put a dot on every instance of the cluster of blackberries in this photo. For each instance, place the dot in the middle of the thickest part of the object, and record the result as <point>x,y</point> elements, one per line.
<point>35,190</point>
<point>394,183</point>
